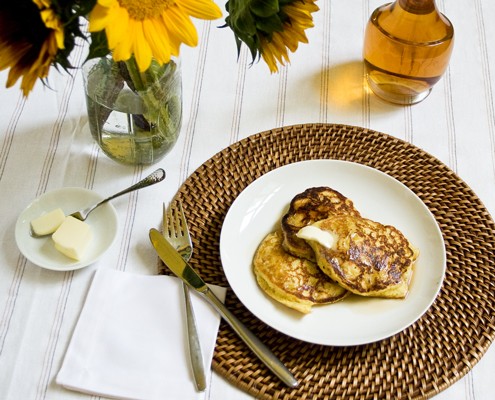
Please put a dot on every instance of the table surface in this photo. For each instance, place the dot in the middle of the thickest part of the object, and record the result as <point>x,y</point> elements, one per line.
<point>45,144</point>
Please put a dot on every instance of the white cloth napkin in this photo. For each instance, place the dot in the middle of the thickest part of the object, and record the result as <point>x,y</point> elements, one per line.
<point>130,341</point>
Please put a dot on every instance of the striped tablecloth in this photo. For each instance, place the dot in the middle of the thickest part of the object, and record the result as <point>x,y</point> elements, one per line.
<point>45,144</point>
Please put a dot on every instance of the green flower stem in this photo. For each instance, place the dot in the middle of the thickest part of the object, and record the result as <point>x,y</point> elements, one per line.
<point>151,90</point>
<point>103,89</point>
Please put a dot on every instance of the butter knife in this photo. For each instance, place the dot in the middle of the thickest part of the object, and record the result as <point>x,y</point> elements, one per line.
<point>184,271</point>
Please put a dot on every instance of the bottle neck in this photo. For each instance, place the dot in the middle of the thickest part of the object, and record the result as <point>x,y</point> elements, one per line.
<point>417,6</point>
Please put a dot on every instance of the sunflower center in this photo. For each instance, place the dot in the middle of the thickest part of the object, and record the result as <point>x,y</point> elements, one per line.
<point>144,9</point>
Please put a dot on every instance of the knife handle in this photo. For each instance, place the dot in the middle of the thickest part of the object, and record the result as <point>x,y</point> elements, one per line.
<point>194,345</point>
<point>263,353</point>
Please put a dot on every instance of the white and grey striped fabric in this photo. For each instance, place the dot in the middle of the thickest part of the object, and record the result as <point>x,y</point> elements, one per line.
<point>45,144</point>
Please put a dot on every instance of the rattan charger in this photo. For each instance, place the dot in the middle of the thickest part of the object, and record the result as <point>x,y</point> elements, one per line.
<point>419,362</point>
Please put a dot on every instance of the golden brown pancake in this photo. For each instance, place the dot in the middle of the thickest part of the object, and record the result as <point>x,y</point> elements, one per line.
<point>367,258</point>
<point>308,207</point>
<point>298,283</point>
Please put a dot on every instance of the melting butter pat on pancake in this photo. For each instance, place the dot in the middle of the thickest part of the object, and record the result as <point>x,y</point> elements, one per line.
<point>312,205</point>
<point>314,234</point>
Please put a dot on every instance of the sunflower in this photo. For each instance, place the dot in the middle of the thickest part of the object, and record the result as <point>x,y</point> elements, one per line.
<point>271,28</point>
<point>51,21</point>
<point>149,28</point>
<point>30,36</point>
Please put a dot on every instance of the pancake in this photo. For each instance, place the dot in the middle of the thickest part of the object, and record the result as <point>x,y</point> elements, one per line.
<point>295,282</point>
<point>308,207</point>
<point>366,258</point>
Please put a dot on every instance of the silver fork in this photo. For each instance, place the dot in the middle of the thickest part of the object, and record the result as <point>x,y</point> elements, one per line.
<point>176,231</point>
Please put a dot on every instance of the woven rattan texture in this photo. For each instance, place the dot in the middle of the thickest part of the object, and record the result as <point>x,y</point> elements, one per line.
<point>419,362</point>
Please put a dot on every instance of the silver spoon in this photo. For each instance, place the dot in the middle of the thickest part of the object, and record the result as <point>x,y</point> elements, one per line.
<point>151,179</point>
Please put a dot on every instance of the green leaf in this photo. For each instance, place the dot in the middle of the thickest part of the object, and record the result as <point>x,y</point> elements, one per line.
<point>98,46</point>
<point>264,8</point>
<point>270,25</point>
<point>245,24</point>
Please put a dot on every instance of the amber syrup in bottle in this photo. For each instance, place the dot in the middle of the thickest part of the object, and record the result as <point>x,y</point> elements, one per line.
<point>407,49</point>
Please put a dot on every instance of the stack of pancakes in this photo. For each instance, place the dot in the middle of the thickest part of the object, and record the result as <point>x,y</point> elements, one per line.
<point>366,258</point>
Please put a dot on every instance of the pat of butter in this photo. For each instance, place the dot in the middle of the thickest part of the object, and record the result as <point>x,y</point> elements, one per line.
<point>325,238</point>
<point>48,223</point>
<point>72,237</point>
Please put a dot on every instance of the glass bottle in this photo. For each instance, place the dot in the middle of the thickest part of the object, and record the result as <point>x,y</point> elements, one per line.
<point>407,48</point>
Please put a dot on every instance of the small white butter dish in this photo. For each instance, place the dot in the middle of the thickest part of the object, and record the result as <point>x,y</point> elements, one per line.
<point>42,252</point>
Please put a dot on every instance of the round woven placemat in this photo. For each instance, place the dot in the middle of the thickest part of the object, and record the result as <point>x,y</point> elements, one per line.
<point>418,362</point>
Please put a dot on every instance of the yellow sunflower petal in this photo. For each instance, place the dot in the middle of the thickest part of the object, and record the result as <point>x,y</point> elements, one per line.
<point>203,9</point>
<point>10,56</point>
<point>108,3</point>
<point>123,49</point>
<point>14,74</point>
<point>40,67</point>
<point>295,33</point>
<point>270,61</point>
<point>27,84</point>
<point>42,3</point>
<point>274,51</point>
<point>180,27</point>
<point>268,57</point>
<point>287,41</point>
<point>98,18</point>
<point>119,21</point>
<point>297,12</point>
<point>277,46</point>
<point>158,40</point>
<point>142,50</point>
<point>51,21</point>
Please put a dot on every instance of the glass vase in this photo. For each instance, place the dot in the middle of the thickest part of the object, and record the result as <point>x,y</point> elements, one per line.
<point>134,116</point>
<point>407,48</point>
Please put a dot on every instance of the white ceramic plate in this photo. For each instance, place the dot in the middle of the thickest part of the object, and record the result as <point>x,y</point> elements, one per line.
<point>42,252</point>
<point>355,320</point>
